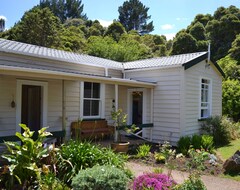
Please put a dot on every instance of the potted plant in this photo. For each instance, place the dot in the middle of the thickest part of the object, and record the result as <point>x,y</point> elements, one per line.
<point>120,123</point>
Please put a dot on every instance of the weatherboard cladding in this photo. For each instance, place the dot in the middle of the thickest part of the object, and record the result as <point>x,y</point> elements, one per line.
<point>59,55</point>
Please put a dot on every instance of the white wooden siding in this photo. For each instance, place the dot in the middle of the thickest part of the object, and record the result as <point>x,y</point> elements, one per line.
<point>7,114</point>
<point>192,79</point>
<point>115,73</point>
<point>166,102</point>
<point>23,61</point>
<point>109,97</point>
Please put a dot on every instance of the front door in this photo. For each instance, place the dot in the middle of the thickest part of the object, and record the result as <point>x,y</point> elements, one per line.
<point>137,107</point>
<point>31,106</point>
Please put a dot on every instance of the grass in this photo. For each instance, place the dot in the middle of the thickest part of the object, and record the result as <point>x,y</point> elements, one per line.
<point>227,151</point>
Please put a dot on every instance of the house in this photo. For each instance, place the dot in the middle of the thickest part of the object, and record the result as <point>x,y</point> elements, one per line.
<point>46,87</point>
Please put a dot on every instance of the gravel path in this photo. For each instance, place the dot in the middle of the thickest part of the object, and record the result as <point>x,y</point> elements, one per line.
<point>211,182</point>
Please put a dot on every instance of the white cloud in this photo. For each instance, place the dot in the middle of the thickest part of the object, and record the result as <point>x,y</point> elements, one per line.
<point>170,36</point>
<point>3,17</point>
<point>105,23</point>
<point>167,26</point>
<point>181,19</point>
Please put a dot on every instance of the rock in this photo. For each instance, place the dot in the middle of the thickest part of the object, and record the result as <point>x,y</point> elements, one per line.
<point>232,165</point>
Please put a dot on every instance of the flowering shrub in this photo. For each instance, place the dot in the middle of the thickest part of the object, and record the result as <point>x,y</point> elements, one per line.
<point>153,181</point>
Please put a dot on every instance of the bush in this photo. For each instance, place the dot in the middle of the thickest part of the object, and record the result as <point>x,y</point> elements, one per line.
<point>207,143</point>
<point>143,151</point>
<point>183,144</point>
<point>222,129</point>
<point>100,177</point>
<point>75,156</point>
<point>196,141</point>
<point>153,181</point>
<point>193,182</point>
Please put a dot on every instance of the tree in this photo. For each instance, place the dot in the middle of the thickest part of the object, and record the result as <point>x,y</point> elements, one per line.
<point>65,9</point>
<point>235,50</point>
<point>115,30</point>
<point>133,16</point>
<point>184,43</point>
<point>198,31</point>
<point>38,27</point>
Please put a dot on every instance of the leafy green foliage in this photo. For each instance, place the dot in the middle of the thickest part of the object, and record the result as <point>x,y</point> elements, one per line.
<point>115,30</point>
<point>75,156</point>
<point>165,154</point>
<point>38,27</point>
<point>65,9</point>
<point>235,49</point>
<point>25,166</point>
<point>100,177</point>
<point>218,129</point>
<point>183,144</point>
<point>133,16</point>
<point>197,159</point>
<point>143,150</point>
<point>193,182</point>
<point>196,141</point>
<point>207,142</point>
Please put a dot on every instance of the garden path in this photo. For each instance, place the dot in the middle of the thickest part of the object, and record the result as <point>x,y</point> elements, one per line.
<point>211,182</point>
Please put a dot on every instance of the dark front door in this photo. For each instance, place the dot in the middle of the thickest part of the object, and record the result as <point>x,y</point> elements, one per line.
<point>31,106</point>
<point>137,107</point>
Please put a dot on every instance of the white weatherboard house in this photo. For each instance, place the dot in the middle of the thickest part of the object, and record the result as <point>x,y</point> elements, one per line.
<point>47,87</point>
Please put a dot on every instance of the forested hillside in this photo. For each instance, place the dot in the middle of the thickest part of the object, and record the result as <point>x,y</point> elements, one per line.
<point>64,25</point>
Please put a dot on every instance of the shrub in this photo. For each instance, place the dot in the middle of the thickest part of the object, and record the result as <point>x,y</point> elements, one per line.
<point>222,129</point>
<point>207,142</point>
<point>143,151</point>
<point>153,181</point>
<point>197,159</point>
<point>193,182</point>
<point>196,141</point>
<point>100,177</point>
<point>25,160</point>
<point>75,156</point>
<point>183,144</point>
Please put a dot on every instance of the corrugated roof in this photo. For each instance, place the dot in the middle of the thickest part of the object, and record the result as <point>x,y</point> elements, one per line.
<point>48,53</point>
<point>43,52</point>
<point>169,61</point>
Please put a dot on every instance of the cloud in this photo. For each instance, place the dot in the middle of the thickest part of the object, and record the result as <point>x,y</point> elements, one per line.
<point>167,26</point>
<point>170,36</point>
<point>181,19</point>
<point>105,23</point>
<point>3,17</point>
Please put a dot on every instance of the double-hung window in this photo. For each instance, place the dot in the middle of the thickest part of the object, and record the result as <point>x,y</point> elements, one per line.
<point>205,101</point>
<point>91,99</point>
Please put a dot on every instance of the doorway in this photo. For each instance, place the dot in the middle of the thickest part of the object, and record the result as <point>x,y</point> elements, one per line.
<point>137,107</point>
<point>31,106</point>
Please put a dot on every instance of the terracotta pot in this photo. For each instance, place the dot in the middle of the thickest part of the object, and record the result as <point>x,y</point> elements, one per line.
<point>120,146</point>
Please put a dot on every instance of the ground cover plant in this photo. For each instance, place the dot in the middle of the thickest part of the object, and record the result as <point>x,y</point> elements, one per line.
<point>100,177</point>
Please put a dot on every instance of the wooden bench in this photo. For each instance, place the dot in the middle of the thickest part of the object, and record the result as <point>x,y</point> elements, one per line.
<point>91,129</point>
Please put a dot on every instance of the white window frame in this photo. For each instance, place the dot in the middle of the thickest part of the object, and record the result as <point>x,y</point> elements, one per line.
<point>209,102</point>
<point>101,112</point>
<point>44,111</point>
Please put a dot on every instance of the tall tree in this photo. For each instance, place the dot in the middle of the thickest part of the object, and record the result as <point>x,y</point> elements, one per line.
<point>65,9</point>
<point>38,27</point>
<point>134,16</point>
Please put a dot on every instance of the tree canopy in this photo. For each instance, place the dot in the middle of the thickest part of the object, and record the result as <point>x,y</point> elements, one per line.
<point>134,16</point>
<point>65,9</point>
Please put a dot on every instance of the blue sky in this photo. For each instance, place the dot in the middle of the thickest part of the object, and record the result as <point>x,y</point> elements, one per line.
<point>169,16</point>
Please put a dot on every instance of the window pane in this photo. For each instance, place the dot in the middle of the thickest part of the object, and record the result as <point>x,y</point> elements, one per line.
<point>87,89</point>
<point>86,108</point>
<point>204,113</point>
<point>95,107</point>
<point>96,90</point>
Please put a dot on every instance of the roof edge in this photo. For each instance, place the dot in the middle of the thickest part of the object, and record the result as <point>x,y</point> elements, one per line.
<point>195,61</point>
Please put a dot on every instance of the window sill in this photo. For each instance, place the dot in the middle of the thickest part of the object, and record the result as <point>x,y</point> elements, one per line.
<point>203,119</point>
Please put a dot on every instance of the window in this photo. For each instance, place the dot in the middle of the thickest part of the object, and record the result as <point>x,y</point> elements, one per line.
<point>205,107</point>
<point>91,99</point>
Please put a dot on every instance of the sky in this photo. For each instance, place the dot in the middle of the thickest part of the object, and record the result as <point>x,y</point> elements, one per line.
<point>168,16</point>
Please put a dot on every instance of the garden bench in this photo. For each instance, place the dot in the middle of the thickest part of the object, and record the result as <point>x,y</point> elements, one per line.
<point>91,129</point>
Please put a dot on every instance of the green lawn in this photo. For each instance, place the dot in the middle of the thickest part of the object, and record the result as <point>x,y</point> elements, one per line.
<point>227,151</point>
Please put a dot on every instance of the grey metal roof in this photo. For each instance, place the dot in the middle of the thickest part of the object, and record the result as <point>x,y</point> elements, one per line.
<point>43,52</point>
<point>48,53</point>
<point>165,62</point>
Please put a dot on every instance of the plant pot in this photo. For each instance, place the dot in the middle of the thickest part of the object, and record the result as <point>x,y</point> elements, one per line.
<point>120,146</point>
